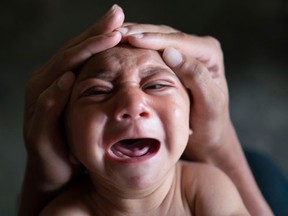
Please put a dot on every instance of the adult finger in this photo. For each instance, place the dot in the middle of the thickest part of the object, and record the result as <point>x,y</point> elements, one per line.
<point>72,58</point>
<point>76,55</point>
<point>135,28</point>
<point>207,50</point>
<point>206,92</point>
<point>112,20</point>
<point>44,137</point>
<point>50,105</point>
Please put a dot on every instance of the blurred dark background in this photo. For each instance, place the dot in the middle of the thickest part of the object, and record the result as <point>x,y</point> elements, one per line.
<point>254,38</point>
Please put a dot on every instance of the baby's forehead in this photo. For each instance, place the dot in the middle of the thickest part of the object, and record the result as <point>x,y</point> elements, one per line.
<point>123,56</point>
<point>126,50</point>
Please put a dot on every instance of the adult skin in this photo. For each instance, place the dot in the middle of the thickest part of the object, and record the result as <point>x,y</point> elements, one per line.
<point>46,98</point>
<point>48,167</point>
<point>127,122</point>
<point>198,61</point>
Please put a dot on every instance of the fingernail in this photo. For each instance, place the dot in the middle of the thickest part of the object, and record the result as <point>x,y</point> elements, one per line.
<point>172,57</point>
<point>115,7</point>
<point>123,30</point>
<point>138,35</point>
<point>66,81</point>
<point>112,10</point>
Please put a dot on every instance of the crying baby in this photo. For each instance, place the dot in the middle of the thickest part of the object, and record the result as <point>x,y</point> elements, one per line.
<point>127,124</point>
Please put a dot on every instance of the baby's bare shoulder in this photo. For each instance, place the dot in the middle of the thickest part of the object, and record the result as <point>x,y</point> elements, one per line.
<point>196,175</point>
<point>71,202</point>
<point>209,190</point>
<point>195,171</point>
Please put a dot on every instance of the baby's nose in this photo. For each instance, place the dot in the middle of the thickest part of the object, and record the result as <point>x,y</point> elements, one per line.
<point>132,105</point>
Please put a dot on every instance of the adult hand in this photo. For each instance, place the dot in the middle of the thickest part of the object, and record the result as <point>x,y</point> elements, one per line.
<point>48,165</point>
<point>202,73</point>
<point>222,147</point>
<point>209,114</point>
<point>198,62</point>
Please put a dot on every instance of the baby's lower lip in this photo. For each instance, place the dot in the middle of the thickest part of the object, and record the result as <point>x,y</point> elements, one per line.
<point>134,150</point>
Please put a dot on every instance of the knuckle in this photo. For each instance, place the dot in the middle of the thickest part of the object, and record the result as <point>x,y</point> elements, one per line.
<point>167,28</point>
<point>214,42</point>
<point>180,34</point>
<point>194,69</point>
<point>197,68</point>
<point>46,102</point>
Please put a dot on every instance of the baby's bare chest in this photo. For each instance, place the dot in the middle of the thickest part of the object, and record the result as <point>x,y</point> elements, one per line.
<point>173,211</point>
<point>173,207</point>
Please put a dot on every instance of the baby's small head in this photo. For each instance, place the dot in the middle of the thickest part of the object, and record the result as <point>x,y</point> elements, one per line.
<point>128,117</point>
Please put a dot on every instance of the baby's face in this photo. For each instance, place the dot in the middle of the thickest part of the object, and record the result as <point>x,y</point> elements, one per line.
<point>127,119</point>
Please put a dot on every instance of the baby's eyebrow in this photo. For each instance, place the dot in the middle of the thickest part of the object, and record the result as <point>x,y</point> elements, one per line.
<point>109,75</point>
<point>100,74</point>
<point>154,70</point>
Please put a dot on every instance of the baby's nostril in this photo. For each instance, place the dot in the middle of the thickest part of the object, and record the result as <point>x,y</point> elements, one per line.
<point>125,116</point>
<point>144,114</point>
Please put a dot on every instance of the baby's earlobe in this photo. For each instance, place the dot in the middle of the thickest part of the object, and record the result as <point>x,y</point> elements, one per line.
<point>190,132</point>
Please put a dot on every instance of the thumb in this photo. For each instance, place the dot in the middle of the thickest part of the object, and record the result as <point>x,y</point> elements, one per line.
<point>45,138</point>
<point>193,74</point>
<point>66,81</point>
<point>44,128</point>
<point>52,101</point>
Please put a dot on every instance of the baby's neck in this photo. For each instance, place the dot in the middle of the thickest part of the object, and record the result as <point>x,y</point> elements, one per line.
<point>154,198</point>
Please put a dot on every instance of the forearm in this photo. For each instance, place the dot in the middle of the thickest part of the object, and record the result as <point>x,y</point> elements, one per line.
<point>36,192</point>
<point>209,142</point>
<point>231,159</point>
<point>33,196</point>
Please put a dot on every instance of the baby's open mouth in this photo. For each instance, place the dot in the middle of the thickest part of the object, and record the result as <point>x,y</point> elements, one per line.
<point>135,148</point>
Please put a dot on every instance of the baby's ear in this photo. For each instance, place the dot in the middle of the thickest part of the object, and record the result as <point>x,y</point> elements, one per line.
<point>73,159</point>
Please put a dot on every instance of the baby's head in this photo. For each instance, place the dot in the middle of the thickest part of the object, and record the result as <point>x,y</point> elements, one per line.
<point>127,120</point>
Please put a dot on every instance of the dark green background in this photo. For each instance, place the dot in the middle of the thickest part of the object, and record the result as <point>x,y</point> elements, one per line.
<point>253,34</point>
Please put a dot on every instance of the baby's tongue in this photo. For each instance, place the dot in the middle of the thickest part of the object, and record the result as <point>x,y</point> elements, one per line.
<point>132,148</point>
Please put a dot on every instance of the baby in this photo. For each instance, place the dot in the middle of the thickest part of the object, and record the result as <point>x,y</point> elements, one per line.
<point>127,123</point>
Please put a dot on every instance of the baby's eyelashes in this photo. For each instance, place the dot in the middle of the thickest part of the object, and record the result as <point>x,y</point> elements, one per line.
<point>160,85</point>
<point>96,91</point>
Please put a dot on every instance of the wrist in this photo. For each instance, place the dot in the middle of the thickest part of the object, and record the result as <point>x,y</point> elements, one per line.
<point>231,159</point>
<point>211,142</point>
<point>229,150</point>
<point>42,176</point>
